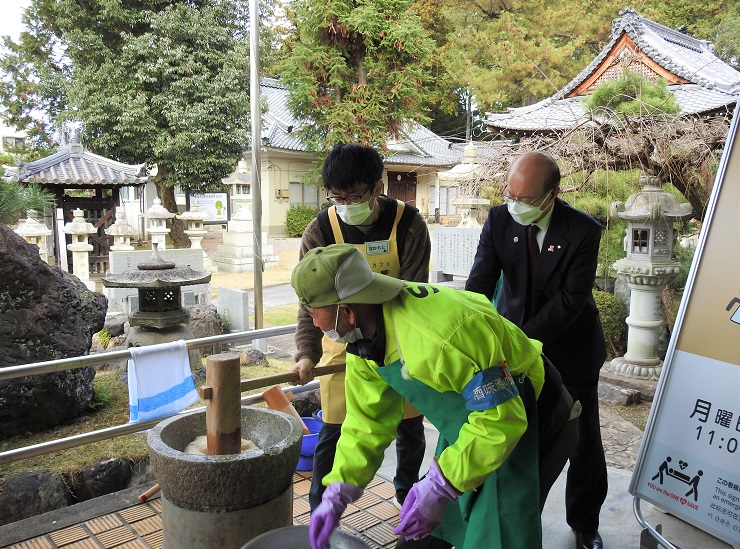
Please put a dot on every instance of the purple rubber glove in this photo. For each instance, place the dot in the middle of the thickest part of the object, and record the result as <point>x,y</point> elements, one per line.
<point>425,504</point>
<point>325,518</point>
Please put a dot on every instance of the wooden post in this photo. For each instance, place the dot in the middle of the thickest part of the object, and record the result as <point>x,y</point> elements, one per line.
<point>223,409</point>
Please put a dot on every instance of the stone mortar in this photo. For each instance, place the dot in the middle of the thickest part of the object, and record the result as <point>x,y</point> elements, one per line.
<point>230,482</point>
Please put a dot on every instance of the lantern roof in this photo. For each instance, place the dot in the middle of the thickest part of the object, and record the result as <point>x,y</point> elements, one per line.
<point>156,273</point>
<point>652,204</point>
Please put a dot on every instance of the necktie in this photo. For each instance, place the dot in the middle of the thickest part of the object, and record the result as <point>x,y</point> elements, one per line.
<point>534,256</point>
<point>534,250</point>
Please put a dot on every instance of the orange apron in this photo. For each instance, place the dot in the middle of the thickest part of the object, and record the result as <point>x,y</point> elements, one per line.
<point>382,256</point>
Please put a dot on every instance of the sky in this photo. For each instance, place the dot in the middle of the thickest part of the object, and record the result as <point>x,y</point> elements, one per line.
<point>10,17</point>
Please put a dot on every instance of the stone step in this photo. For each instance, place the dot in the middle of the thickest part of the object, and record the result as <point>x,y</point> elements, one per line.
<point>614,395</point>
<point>646,387</point>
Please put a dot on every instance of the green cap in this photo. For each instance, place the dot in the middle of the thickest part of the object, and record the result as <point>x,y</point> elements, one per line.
<point>340,274</point>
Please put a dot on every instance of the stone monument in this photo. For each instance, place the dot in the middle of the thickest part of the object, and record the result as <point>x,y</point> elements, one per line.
<point>236,254</point>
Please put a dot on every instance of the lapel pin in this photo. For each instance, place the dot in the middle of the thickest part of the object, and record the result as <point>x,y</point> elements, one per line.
<point>516,239</point>
<point>551,248</point>
<point>558,247</point>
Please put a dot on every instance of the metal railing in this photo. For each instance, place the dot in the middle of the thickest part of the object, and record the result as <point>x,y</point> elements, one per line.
<point>51,366</point>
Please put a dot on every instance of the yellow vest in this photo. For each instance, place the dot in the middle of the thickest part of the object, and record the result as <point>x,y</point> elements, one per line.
<point>382,256</point>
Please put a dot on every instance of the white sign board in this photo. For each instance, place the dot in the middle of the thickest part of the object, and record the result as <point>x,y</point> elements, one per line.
<point>689,461</point>
<point>453,250</point>
<point>215,204</point>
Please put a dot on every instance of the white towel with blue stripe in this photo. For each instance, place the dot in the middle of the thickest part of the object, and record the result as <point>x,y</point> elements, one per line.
<point>159,381</point>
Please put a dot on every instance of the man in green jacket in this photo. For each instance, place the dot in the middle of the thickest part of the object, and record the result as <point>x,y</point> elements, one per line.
<point>471,372</point>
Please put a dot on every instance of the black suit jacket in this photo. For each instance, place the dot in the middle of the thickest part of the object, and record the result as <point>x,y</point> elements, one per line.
<point>565,317</point>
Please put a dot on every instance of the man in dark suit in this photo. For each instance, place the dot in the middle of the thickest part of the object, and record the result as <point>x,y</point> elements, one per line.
<point>547,253</point>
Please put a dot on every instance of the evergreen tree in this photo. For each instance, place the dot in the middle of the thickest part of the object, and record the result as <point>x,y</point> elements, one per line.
<point>355,70</point>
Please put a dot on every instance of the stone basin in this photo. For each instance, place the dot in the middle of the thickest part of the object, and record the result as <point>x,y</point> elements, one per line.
<point>219,484</point>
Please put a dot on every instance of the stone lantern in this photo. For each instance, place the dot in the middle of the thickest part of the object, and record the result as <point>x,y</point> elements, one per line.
<point>467,177</point>
<point>158,216</point>
<point>160,317</point>
<point>195,231</point>
<point>35,233</point>
<point>121,232</point>
<point>80,231</point>
<point>647,269</point>
<point>240,183</point>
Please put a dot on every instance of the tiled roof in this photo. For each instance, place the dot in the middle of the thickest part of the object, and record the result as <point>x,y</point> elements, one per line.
<point>278,123</point>
<point>562,114</point>
<point>683,55</point>
<point>418,146</point>
<point>74,166</point>
<point>713,84</point>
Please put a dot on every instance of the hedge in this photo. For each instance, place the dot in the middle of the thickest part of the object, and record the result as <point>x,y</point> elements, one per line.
<point>298,218</point>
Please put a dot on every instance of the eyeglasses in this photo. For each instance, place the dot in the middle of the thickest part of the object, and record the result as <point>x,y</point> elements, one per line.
<point>351,199</point>
<point>508,199</point>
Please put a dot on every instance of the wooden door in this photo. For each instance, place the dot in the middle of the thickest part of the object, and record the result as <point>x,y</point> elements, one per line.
<point>402,186</point>
<point>99,211</point>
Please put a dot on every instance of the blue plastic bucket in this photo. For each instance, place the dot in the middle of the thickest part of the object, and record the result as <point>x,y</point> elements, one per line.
<point>308,444</point>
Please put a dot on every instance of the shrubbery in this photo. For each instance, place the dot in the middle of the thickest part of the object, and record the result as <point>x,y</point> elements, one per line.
<point>632,95</point>
<point>613,322</point>
<point>684,256</point>
<point>298,217</point>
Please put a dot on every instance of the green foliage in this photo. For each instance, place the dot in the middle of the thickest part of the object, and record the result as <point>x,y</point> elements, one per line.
<point>163,81</point>
<point>727,39</point>
<point>595,198</point>
<point>6,160</point>
<point>684,256</point>
<point>355,71</point>
<point>613,317</point>
<point>697,19</point>
<point>632,95</point>
<point>104,337</point>
<point>16,200</point>
<point>516,52</point>
<point>298,218</point>
<point>104,391</point>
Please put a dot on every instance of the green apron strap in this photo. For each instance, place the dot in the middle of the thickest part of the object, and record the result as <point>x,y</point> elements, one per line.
<point>503,513</point>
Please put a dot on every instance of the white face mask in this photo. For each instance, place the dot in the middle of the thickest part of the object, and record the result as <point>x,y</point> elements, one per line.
<point>354,214</point>
<point>525,214</point>
<point>350,337</point>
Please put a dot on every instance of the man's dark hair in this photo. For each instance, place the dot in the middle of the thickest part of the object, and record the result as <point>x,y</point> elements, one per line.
<point>350,164</point>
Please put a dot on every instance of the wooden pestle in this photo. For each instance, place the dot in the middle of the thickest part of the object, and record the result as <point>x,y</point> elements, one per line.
<point>223,409</point>
<point>277,400</point>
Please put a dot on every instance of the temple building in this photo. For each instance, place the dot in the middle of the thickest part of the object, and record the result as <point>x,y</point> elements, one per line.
<point>701,82</point>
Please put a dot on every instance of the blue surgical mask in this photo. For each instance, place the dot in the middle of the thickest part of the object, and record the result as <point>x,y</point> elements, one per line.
<point>350,337</point>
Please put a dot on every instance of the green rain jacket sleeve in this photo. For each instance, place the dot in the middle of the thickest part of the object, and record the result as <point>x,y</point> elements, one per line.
<point>476,338</point>
<point>374,410</point>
